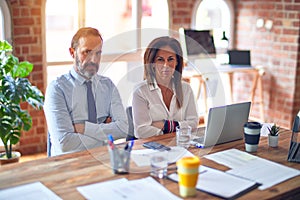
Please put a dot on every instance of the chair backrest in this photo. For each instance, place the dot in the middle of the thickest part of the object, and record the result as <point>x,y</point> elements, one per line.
<point>48,145</point>
<point>294,151</point>
<point>296,125</point>
<point>130,134</point>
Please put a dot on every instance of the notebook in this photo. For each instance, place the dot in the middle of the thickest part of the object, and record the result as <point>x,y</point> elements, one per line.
<point>224,124</point>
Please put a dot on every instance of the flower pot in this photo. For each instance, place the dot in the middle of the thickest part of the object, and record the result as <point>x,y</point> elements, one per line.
<point>273,140</point>
<point>15,158</point>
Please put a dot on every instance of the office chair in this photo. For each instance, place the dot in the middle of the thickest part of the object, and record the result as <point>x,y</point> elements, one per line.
<point>130,134</point>
<point>48,145</point>
<point>296,125</point>
<point>294,151</point>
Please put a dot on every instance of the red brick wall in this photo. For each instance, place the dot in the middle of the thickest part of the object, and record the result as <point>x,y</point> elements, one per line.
<point>27,41</point>
<point>277,50</point>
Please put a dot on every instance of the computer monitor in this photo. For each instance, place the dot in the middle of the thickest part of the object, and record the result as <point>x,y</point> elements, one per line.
<point>197,42</point>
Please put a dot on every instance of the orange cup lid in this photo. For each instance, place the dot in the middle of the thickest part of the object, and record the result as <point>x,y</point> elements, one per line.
<point>189,162</point>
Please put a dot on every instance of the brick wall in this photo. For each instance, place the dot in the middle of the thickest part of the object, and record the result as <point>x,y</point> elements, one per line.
<point>27,41</point>
<point>278,50</point>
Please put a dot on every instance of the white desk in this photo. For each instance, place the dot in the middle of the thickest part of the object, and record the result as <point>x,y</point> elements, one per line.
<point>202,74</point>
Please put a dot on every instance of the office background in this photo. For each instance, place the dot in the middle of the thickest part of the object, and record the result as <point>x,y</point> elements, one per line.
<point>277,49</point>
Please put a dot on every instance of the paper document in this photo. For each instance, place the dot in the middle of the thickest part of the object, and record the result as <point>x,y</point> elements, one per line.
<point>232,158</point>
<point>142,157</point>
<point>219,183</point>
<point>32,191</point>
<point>253,167</point>
<point>146,189</point>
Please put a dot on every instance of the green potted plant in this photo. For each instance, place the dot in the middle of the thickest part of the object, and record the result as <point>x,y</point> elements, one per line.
<point>15,89</point>
<point>273,135</point>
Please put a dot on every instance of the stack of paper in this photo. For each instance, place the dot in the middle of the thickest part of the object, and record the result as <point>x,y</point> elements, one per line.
<point>146,189</point>
<point>219,183</point>
<point>254,168</point>
<point>32,191</point>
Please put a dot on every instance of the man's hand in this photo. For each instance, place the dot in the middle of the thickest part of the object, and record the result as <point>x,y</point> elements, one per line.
<point>79,128</point>
<point>107,120</point>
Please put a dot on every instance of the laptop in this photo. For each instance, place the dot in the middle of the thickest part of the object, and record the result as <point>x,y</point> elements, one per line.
<point>224,124</point>
<point>239,57</point>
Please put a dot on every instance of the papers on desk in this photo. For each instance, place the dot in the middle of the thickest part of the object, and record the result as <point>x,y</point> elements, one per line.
<point>142,157</point>
<point>245,165</point>
<point>32,191</point>
<point>219,183</point>
<point>146,189</point>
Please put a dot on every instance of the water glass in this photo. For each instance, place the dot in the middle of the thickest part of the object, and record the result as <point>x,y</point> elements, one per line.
<point>183,136</point>
<point>159,166</point>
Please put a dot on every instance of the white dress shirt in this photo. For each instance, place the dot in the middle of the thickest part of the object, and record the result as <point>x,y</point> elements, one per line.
<point>66,104</point>
<point>148,106</point>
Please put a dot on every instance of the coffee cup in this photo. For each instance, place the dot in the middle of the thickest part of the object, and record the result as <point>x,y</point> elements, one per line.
<point>188,171</point>
<point>252,135</point>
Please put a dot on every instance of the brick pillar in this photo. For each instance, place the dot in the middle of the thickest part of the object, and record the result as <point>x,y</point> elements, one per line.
<point>28,43</point>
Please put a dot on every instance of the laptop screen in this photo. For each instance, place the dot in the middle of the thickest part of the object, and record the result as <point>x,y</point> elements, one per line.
<point>225,123</point>
<point>239,57</point>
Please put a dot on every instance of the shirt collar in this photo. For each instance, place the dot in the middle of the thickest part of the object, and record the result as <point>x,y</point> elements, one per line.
<point>154,86</point>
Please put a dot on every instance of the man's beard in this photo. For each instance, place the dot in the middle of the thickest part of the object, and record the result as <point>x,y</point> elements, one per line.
<point>82,68</point>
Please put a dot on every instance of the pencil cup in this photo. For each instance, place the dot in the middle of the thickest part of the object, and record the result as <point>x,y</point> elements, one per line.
<point>188,172</point>
<point>252,135</point>
<point>119,158</point>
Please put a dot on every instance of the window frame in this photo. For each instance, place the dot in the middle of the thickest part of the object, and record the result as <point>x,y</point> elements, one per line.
<point>232,18</point>
<point>7,32</point>
<point>137,20</point>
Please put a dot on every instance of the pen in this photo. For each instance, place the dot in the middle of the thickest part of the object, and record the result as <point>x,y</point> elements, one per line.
<point>131,144</point>
<point>110,138</point>
<point>111,142</point>
<point>129,147</point>
<point>198,145</point>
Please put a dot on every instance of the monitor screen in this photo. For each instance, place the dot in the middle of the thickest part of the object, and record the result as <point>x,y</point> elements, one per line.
<point>239,57</point>
<point>199,42</point>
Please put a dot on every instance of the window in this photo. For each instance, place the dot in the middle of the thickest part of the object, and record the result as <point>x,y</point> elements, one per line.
<point>215,15</point>
<point>119,21</point>
<point>126,27</point>
<point>5,22</point>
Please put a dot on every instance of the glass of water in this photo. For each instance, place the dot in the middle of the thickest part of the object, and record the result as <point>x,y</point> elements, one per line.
<point>183,136</point>
<point>159,165</point>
